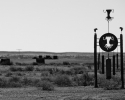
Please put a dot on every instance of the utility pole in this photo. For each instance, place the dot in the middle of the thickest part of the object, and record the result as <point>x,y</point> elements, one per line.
<point>19,53</point>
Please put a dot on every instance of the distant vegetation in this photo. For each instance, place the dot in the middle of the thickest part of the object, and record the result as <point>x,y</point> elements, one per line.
<point>57,71</point>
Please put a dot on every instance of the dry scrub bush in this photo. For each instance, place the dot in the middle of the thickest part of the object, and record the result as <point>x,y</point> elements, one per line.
<point>30,82</point>
<point>78,70</point>
<point>66,63</point>
<point>34,63</point>
<point>12,82</point>
<point>16,69</point>
<point>8,74</point>
<point>19,74</point>
<point>14,79</point>
<point>37,69</point>
<point>49,79</point>
<point>45,73</point>
<point>35,82</point>
<point>45,85</point>
<point>26,81</point>
<point>29,68</point>
<point>3,82</point>
<point>63,80</point>
<point>50,70</point>
<point>84,80</point>
<point>112,84</point>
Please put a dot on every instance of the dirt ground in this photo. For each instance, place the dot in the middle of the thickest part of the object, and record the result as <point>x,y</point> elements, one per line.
<point>61,93</point>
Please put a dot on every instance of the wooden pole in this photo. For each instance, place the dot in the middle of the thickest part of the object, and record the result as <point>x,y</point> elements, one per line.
<point>98,60</point>
<point>121,54</point>
<point>108,68</point>
<point>113,64</point>
<point>103,70</point>
<point>117,60</point>
<point>95,60</point>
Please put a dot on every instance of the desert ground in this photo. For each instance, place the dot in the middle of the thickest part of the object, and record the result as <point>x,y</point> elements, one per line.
<point>70,77</point>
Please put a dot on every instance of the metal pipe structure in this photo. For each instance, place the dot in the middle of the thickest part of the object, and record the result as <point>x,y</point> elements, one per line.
<point>117,60</point>
<point>95,60</point>
<point>113,64</point>
<point>103,70</point>
<point>98,61</point>
<point>121,55</point>
<point>108,68</point>
<point>108,42</point>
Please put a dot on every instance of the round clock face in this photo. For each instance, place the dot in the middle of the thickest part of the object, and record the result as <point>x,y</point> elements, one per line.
<point>108,42</point>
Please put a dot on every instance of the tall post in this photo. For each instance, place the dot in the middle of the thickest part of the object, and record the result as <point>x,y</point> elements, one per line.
<point>113,64</point>
<point>103,64</point>
<point>95,60</point>
<point>98,60</point>
<point>117,60</point>
<point>108,68</point>
<point>121,54</point>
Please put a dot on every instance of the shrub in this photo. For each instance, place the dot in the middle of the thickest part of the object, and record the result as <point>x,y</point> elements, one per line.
<point>29,68</point>
<point>17,63</point>
<point>8,74</point>
<point>111,84</point>
<point>14,79</point>
<point>84,80</point>
<point>61,71</point>
<point>13,69</point>
<point>35,82</point>
<point>69,72</point>
<point>51,70</point>
<point>90,67</point>
<point>20,69</point>
<point>66,63</point>
<point>37,69</point>
<point>26,81</point>
<point>46,85</point>
<point>45,73</point>
<point>14,84</point>
<point>63,80</point>
<point>78,70</point>
<point>19,74</point>
<point>3,82</point>
<point>50,79</point>
<point>16,69</point>
<point>34,63</point>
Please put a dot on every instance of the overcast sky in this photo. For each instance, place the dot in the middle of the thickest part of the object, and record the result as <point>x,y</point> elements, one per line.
<point>57,25</point>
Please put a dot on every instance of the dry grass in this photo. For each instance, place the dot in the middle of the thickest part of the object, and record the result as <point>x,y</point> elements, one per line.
<point>59,93</point>
<point>68,93</point>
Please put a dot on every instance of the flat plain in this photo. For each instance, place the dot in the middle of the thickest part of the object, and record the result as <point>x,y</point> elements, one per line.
<point>64,64</point>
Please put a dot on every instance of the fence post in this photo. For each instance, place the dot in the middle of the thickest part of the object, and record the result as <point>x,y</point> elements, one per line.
<point>95,59</point>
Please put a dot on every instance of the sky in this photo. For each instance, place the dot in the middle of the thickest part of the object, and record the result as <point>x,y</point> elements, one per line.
<point>57,25</point>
